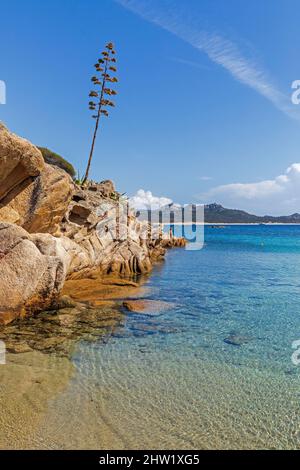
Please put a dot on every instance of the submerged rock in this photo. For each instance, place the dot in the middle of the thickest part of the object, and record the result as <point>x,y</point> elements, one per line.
<point>64,302</point>
<point>56,333</point>
<point>146,306</point>
<point>17,347</point>
<point>237,339</point>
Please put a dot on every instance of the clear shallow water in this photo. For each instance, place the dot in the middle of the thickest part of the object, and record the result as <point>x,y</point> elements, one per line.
<point>170,380</point>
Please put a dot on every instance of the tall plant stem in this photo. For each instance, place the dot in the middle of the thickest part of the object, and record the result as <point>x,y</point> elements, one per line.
<point>96,125</point>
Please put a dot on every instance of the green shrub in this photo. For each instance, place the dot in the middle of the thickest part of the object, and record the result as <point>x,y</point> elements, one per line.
<point>54,159</point>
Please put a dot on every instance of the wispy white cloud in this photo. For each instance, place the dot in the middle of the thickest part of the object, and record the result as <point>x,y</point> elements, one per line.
<point>220,50</point>
<point>190,63</point>
<point>280,195</point>
<point>205,178</point>
<point>144,200</point>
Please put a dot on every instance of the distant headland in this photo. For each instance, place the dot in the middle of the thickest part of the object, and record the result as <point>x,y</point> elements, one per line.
<point>217,214</point>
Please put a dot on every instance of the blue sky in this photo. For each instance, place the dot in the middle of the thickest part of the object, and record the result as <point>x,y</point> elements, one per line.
<point>203,111</point>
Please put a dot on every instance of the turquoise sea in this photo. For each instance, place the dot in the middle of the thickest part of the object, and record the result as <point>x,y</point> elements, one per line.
<point>175,380</point>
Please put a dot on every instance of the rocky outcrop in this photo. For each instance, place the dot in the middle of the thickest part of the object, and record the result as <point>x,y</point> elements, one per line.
<point>28,277</point>
<point>20,163</point>
<point>33,194</point>
<point>52,230</point>
<point>42,205</point>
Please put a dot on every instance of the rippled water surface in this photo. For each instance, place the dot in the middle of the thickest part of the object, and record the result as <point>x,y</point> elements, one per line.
<point>170,380</point>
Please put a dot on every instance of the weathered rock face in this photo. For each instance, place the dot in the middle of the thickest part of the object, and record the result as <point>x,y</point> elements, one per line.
<point>106,188</point>
<point>28,278</point>
<point>33,194</point>
<point>52,230</point>
<point>42,205</point>
<point>20,162</point>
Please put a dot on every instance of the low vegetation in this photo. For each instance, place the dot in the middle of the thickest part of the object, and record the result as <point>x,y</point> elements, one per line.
<point>54,159</point>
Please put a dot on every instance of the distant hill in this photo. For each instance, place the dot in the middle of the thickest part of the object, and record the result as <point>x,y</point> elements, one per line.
<point>217,214</point>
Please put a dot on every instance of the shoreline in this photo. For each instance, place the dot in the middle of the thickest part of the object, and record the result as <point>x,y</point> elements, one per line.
<point>34,378</point>
<point>46,378</point>
<point>228,223</point>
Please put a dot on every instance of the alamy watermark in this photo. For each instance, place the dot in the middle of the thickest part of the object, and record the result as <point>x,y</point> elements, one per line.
<point>2,92</point>
<point>295,357</point>
<point>120,222</point>
<point>2,353</point>
<point>296,94</point>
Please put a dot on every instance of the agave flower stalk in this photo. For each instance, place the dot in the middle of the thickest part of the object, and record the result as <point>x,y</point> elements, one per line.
<point>105,67</point>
